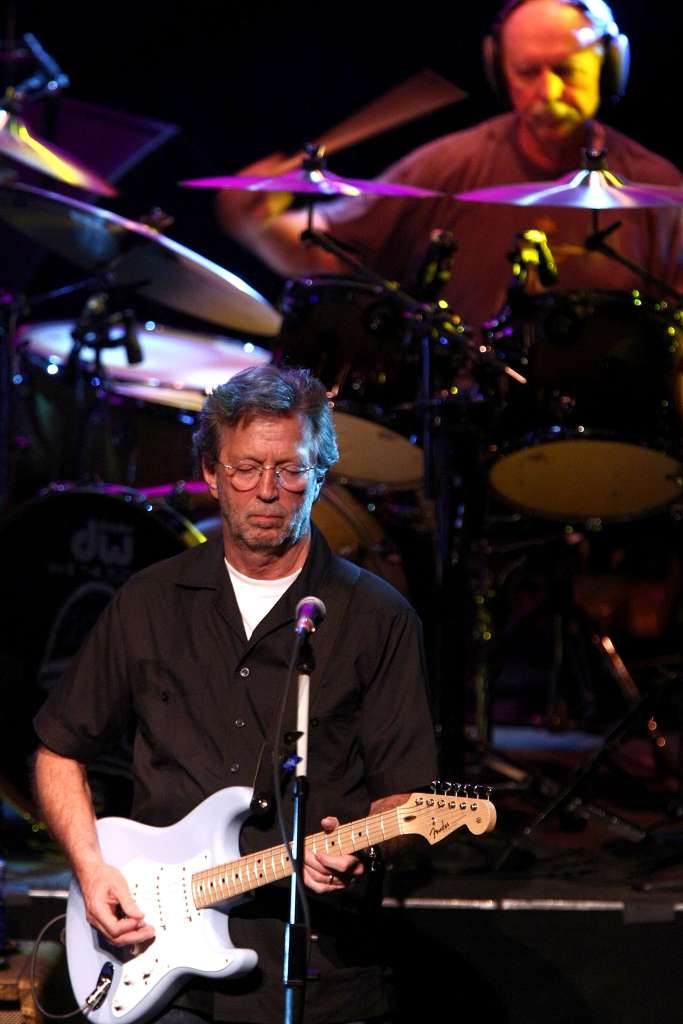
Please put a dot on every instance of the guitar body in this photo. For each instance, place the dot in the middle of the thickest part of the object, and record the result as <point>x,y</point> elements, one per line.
<point>185,878</point>
<point>158,864</point>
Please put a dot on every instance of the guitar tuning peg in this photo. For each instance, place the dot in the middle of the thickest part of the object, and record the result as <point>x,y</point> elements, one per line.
<point>436,786</point>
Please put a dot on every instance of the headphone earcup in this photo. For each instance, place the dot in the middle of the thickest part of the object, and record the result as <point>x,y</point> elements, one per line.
<point>616,68</point>
<point>493,69</point>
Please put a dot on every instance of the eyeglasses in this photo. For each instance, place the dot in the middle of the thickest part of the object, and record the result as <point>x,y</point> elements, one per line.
<point>246,475</point>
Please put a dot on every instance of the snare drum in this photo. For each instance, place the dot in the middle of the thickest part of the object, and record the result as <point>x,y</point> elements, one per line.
<point>139,429</point>
<point>595,433</point>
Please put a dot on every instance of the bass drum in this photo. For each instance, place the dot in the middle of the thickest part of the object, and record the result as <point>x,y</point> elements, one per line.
<point>596,431</point>
<point>65,552</point>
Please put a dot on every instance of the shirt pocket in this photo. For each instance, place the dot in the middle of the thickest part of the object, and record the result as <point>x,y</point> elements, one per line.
<point>171,707</point>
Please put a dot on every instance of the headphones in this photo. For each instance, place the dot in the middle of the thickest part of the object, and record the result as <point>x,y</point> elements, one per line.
<point>615,66</point>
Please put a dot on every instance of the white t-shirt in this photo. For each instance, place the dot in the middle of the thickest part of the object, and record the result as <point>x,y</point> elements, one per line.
<point>254,597</point>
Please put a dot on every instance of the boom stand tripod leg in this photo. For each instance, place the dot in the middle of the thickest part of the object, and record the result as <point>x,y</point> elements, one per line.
<point>580,775</point>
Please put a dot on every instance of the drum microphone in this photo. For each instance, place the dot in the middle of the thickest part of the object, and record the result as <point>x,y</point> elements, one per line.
<point>544,260</point>
<point>310,612</point>
<point>435,269</point>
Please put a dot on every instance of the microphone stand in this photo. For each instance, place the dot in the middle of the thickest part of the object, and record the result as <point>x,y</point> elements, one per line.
<point>296,932</point>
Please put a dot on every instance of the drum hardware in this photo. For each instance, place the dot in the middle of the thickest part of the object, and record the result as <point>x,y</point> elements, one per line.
<point>596,242</point>
<point>568,796</point>
<point>120,255</point>
<point>573,630</point>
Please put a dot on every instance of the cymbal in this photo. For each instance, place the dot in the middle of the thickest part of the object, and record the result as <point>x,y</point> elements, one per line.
<point>312,181</point>
<point>587,189</point>
<point>130,254</point>
<point>19,142</point>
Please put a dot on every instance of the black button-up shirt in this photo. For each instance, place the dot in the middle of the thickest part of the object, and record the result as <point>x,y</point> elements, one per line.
<point>170,659</point>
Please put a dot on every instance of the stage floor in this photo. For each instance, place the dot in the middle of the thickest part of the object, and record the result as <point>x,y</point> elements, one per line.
<point>576,918</point>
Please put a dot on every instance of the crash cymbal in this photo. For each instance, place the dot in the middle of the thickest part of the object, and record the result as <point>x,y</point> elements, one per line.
<point>316,181</point>
<point>19,142</point>
<point>132,255</point>
<point>587,189</point>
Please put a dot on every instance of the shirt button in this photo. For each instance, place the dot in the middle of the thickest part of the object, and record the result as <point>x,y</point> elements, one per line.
<point>244,672</point>
<point>234,767</point>
<point>239,723</point>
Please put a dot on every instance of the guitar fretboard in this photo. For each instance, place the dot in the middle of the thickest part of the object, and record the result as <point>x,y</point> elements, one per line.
<point>226,881</point>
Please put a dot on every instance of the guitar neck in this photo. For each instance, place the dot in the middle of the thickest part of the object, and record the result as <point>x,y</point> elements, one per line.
<point>226,881</point>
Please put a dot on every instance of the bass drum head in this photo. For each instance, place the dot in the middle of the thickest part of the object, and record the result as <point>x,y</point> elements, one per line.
<point>64,554</point>
<point>595,433</point>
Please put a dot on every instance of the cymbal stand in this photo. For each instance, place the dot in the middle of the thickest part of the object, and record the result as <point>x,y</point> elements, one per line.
<point>595,242</point>
<point>12,309</point>
<point>568,795</point>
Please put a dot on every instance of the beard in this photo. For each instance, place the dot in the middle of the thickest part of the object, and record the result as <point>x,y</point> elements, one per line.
<point>268,527</point>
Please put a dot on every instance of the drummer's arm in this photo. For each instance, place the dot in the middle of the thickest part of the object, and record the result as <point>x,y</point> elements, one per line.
<point>262,222</point>
<point>275,237</point>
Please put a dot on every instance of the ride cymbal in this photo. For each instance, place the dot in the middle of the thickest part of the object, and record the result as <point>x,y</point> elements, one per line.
<point>132,255</point>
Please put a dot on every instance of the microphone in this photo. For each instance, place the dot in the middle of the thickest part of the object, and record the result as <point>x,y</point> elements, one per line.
<point>435,269</point>
<point>547,268</point>
<point>310,612</point>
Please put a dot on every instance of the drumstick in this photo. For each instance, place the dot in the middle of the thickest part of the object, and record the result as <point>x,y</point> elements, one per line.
<point>421,94</point>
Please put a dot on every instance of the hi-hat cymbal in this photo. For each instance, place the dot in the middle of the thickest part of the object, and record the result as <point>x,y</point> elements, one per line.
<point>587,189</point>
<point>316,181</point>
<point>132,255</point>
<point>20,142</point>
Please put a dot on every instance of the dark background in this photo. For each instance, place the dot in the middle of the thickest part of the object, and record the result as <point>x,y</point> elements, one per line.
<point>241,81</point>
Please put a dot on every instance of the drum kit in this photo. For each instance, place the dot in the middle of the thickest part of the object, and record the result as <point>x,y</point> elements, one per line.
<point>107,403</point>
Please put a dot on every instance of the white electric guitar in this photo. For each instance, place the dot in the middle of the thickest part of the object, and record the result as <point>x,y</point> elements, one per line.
<point>178,874</point>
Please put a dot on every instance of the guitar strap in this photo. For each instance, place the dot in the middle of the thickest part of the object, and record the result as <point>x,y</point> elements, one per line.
<point>335,593</point>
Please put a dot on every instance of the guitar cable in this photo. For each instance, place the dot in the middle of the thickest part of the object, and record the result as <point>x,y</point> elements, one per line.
<point>96,997</point>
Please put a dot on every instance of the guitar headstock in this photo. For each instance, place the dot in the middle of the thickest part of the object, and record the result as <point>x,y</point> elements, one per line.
<point>437,815</point>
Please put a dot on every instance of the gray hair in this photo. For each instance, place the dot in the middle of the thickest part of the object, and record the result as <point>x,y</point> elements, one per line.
<point>267,391</point>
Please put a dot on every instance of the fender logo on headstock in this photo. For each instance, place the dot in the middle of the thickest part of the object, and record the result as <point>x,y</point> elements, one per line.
<point>436,830</point>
